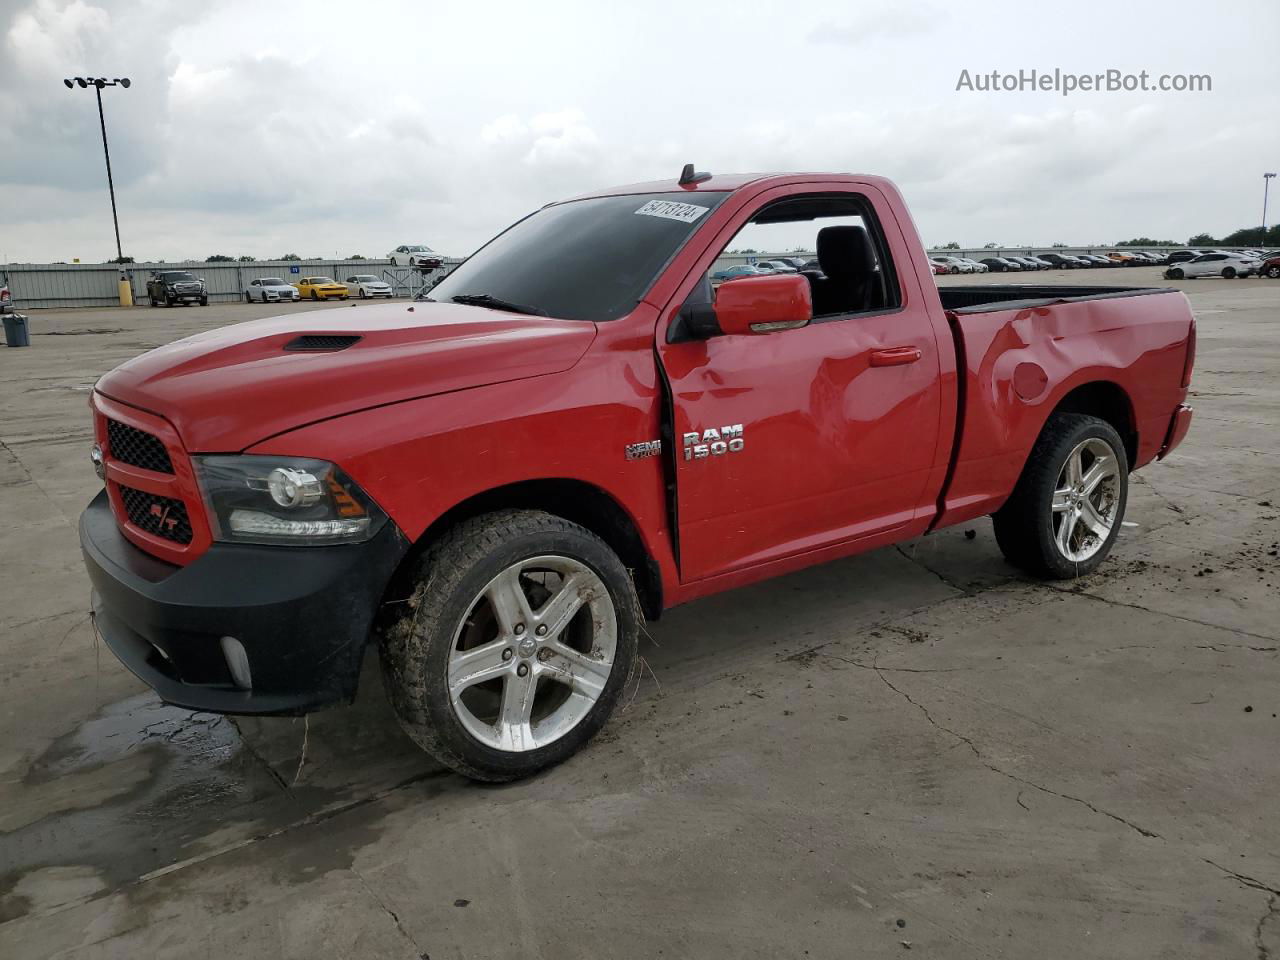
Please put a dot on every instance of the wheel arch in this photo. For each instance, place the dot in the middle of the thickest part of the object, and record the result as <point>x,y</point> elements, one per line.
<point>574,500</point>
<point>1106,400</point>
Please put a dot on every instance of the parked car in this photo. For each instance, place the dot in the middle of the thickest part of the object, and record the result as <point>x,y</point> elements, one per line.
<point>774,266</point>
<point>1121,259</point>
<point>956,264</point>
<point>977,266</point>
<point>1034,262</point>
<point>940,267</point>
<point>366,285</point>
<point>1270,267</point>
<point>1148,256</point>
<point>1095,260</point>
<point>797,263</point>
<point>6,299</point>
<point>1002,264</point>
<point>1181,256</point>
<point>1061,261</point>
<point>322,288</point>
<point>468,488</point>
<point>269,290</point>
<point>737,270</point>
<point>415,255</point>
<point>171,287</point>
<point>1226,265</point>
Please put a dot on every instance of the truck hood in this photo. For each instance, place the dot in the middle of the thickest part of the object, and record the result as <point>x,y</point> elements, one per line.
<point>227,389</point>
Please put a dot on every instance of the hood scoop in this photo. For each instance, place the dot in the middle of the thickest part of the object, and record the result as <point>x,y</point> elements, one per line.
<point>321,342</point>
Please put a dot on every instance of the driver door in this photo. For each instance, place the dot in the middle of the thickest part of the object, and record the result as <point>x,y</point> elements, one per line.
<point>796,440</point>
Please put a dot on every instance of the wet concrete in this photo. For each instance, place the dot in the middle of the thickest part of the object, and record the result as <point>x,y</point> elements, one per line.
<point>912,747</point>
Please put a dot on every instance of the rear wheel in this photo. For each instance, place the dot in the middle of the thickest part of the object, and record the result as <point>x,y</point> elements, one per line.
<point>1065,512</point>
<point>515,646</point>
<point>1274,272</point>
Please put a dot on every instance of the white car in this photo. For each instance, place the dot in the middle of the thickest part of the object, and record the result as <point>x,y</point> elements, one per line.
<point>774,266</point>
<point>269,290</point>
<point>1226,265</point>
<point>414,255</point>
<point>954,264</point>
<point>366,285</point>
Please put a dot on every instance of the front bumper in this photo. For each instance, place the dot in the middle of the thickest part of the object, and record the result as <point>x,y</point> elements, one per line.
<point>301,614</point>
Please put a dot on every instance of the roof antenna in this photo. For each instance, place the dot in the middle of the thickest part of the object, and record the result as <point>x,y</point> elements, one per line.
<point>689,176</point>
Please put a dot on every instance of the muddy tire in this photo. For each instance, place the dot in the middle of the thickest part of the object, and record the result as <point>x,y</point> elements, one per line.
<point>515,646</point>
<point>1066,510</point>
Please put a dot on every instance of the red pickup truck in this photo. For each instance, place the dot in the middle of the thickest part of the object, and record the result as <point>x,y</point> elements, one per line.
<point>579,430</point>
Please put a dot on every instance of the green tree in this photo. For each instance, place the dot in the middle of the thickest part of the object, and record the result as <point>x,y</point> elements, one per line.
<point>219,258</point>
<point>245,258</point>
<point>356,256</point>
<point>991,246</point>
<point>1202,240</point>
<point>121,260</point>
<point>1057,245</point>
<point>290,256</point>
<point>950,246</point>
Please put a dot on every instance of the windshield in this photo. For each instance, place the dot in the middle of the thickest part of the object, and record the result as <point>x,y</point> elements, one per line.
<point>271,282</point>
<point>365,278</point>
<point>318,280</point>
<point>418,249</point>
<point>176,276</point>
<point>583,260</point>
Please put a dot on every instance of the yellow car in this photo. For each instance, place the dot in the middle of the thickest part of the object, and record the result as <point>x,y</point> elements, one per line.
<point>322,288</point>
<point>1124,259</point>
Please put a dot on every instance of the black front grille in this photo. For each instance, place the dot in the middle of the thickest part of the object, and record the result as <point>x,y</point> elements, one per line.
<point>161,516</point>
<point>137,448</point>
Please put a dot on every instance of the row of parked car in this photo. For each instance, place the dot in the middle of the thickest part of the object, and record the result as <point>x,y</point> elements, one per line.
<point>1181,263</point>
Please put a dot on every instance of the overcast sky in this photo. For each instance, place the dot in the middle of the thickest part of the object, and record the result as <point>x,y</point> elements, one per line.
<point>330,128</point>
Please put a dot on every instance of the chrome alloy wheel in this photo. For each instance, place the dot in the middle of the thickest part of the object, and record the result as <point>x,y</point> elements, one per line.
<point>1085,500</point>
<point>533,654</point>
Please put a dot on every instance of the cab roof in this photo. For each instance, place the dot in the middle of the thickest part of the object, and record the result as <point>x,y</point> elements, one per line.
<point>717,183</point>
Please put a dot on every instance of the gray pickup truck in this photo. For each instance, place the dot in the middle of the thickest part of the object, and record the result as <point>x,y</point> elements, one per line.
<point>176,286</point>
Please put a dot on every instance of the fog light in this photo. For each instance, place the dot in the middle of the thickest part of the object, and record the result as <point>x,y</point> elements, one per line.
<point>237,662</point>
<point>99,464</point>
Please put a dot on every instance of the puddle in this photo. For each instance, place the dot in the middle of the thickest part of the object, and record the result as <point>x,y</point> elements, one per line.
<point>128,791</point>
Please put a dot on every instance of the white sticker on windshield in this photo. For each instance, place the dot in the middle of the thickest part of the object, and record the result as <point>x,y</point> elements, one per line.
<point>672,210</point>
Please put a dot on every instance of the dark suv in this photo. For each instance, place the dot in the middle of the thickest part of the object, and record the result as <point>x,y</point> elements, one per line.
<point>176,286</point>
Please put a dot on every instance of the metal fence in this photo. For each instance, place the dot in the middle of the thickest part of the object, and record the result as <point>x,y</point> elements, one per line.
<point>36,285</point>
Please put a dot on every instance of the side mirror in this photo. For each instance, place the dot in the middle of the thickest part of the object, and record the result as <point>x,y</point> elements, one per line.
<point>755,305</point>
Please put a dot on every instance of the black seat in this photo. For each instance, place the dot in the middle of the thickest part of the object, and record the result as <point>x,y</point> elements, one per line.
<point>848,280</point>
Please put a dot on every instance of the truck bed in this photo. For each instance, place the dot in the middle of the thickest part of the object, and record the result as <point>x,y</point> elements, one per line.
<point>1018,296</point>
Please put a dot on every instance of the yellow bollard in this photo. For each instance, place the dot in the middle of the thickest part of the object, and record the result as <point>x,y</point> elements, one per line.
<point>126,290</point>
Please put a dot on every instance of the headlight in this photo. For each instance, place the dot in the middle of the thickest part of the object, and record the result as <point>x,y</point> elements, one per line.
<point>285,500</point>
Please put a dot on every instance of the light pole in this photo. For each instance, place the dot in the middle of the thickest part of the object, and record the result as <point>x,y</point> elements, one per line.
<point>1266,182</point>
<point>98,83</point>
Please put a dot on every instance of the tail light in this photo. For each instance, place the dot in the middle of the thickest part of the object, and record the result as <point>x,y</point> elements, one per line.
<point>1191,355</point>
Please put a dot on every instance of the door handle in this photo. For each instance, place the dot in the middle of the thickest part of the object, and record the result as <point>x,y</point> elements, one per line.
<point>895,356</point>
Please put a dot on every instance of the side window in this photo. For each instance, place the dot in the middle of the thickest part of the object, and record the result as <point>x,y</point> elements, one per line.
<point>855,272</point>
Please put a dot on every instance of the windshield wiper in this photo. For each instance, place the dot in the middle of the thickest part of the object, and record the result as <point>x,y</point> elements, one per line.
<point>485,300</point>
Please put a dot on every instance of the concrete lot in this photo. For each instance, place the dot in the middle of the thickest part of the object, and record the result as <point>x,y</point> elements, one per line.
<point>914,748</point>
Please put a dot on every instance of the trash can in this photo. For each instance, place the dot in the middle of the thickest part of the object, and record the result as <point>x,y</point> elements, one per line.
<point>15,330</point>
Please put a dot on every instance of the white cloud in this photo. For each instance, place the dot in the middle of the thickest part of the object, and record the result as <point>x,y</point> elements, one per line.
<point>259,128</point>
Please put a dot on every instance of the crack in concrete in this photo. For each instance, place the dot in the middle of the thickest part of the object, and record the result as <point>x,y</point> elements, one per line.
<point>1164,613</point>
<point>914,561</point>
<point>1176,508</point>
<point>1263,952</point>
<point>1004,773</point>
<point>868,666</point>
<point>395,917</point>
<point>1227,648</point>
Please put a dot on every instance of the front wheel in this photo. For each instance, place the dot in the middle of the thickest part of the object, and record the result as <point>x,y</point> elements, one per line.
<point>1065,512</point>
<point>314,295</point>
<point>1228,273</point>
<point>1273,272</point>
<point>513,650</point>
<point>1174,274</point>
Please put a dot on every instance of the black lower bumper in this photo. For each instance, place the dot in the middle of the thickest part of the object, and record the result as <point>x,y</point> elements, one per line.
<point>301,614</point>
